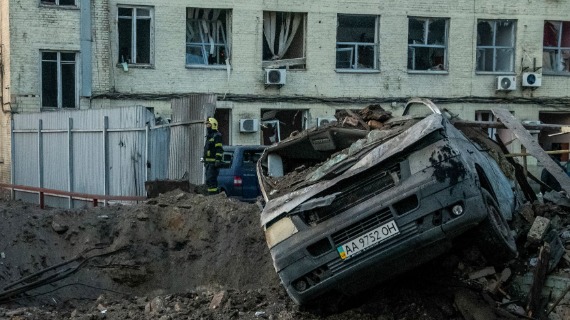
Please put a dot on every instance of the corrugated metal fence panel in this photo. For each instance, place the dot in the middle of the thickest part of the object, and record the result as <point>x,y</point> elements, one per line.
<point>127,161</point>
<point>26,159</point>
<point>125,146</point>
<point>159,142</point>
<point>187,141</point>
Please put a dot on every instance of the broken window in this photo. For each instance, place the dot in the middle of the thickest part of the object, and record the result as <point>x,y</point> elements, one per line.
<point>356,42</point>
<point>208,36</point>
<point>487,116</point>
<point>59,2</point>
<point>135,31</point>
<point>280,124</point>
<point>556,47</point>
<point>427,44</point>
<point>284,40</point>
<point>58,80</point>
<point>496,45</point>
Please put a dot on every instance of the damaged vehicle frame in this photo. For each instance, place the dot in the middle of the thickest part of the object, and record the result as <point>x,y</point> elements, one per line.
<point>348,208</point>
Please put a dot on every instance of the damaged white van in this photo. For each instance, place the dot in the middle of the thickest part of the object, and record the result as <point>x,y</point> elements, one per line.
<point>347,208</point>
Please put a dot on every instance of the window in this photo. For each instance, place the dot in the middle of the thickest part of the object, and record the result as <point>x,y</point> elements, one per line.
<point>488,116</point>
<point>556,47</point>
<point>496,45</point>
<point>207,36</point>
<point>59,2</point>
<point>58,79</point>
<point>135,34</point>
<point>427,44</point>
<point>357,42</point>
<point>284,40</point>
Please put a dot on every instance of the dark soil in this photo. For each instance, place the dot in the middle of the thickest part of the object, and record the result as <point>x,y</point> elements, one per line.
<point>187,256</point>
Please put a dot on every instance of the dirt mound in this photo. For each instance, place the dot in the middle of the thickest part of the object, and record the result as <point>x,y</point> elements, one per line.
<point>176,242</point>
<point>187,256</point>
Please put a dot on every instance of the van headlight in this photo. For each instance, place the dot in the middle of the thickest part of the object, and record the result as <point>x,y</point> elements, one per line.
<point>279,231</point>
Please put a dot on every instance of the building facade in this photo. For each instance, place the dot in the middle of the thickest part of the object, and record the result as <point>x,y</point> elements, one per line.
<point>281,66</point>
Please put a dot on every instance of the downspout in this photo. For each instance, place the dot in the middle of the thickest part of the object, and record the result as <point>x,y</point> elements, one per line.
<point>86,50</point>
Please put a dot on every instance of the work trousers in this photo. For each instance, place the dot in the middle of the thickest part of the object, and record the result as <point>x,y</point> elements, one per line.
<point>212,178</point>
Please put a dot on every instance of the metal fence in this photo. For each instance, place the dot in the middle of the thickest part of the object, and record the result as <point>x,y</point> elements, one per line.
<point>106,151</point>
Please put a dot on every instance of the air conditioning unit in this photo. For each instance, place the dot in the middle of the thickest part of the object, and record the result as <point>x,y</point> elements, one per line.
<point>275,76</point>
<point>531,79</point>
<point>324,121</point>
<point>248,125</point>
<point>506,83</point>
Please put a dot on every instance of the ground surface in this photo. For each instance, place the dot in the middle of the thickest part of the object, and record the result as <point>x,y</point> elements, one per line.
<point>186,256</point>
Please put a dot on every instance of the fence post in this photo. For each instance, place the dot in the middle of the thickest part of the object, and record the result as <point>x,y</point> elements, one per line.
<point>40,160</point>
<point>12,157</point>
<point>146,153</point>
<point>70,160</point>
<point>105,158</point>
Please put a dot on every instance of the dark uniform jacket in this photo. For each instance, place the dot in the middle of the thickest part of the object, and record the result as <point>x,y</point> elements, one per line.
<point>213,150</point>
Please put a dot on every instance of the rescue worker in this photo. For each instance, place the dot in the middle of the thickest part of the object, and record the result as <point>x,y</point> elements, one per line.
<point>213,152</point>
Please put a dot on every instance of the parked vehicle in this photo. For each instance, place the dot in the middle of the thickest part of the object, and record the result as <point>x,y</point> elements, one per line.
<point>347,208</point>
<point>238,177</point>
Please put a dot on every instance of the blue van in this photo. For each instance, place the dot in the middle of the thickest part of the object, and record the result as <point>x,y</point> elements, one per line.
<point>238,176</point>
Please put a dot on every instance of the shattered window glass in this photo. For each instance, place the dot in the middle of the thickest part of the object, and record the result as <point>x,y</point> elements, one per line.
<point>496,45</point>
<point>427,44</point>
<point>356,44</point>
<point>556,47</point>
<point>284,40</point>
<point>207,36</point>
<point>135,27</point>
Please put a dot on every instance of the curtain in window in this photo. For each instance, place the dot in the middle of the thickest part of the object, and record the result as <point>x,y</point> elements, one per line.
<point>287,30</point>
<point>209,30</point>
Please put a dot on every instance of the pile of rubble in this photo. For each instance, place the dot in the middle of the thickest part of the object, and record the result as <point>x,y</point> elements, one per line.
<point>186,256</point>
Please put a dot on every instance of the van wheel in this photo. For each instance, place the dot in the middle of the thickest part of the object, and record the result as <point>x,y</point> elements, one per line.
<point>496,241</point>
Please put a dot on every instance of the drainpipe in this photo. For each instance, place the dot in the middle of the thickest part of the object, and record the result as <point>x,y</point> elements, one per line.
<point>86,52</point>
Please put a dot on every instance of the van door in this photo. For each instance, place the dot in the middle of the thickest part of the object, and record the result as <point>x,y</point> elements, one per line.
<point>249,175</point>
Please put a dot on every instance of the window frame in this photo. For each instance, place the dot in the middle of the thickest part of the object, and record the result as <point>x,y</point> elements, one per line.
<point>56,4</point>
<point>225,45</point>
<point>354,53</point>
<point>288,63</point>
<point>495,47</point>
<point>425,44</point>
<point>557,50</point>
<point>133,35</point>
<point>60,85</point>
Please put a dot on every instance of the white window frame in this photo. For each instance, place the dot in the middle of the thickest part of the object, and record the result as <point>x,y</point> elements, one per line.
<point>487,116</point>
<point>59,78</point>
<point>481,48</point>
<point>133,49</point>
<point>558,56</point>
<point>352,48</point>
<point>412,57</point>
<point>222,39</point>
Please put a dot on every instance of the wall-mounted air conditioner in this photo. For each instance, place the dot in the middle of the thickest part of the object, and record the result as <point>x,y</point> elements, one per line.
<point>506,83</point>
<point>324,121</point>
<point>248,125</point>
<point>275,76</point>
<point>531,79</point>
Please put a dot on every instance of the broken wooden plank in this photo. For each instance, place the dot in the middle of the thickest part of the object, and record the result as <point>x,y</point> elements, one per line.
<point>539,276</point>
<point>533,147</point>
<point>520,172</point>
